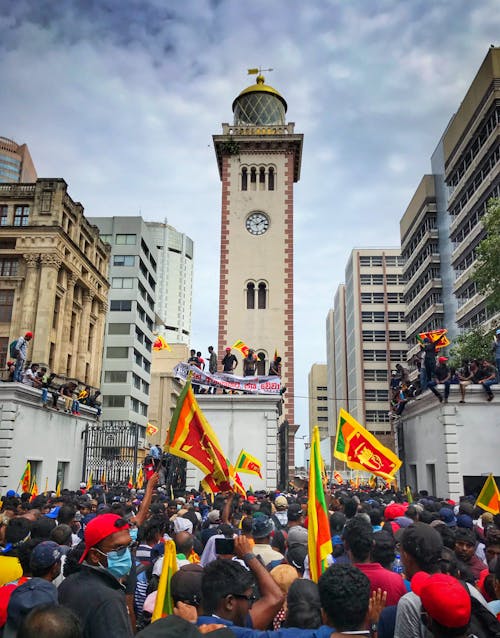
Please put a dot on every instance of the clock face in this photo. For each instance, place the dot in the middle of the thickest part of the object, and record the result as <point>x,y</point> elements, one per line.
<point>257,223</point>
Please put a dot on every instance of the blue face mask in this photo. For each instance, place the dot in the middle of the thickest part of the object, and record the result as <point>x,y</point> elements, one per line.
<point>120,564</point>
<point>133,531</point>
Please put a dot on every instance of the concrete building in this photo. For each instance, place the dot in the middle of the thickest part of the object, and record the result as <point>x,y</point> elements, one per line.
<point>318,399</point>
<point>369,337</point>
<point>50,440</point>
<point>449,449</point>
<point>424,263</point>
<point>259,159</point>
<point>165,389</point>
<point>130,325</point>
<point>174,283</point>
<point>16,165</point>
<point>53,279</point>
<point>471,154</point>
<point>245,421</point>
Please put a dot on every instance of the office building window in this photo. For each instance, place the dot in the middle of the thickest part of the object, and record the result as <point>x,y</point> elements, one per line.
<point>115,376</point>
<point>122,282</point>
<point>124,260</point>
<point>322,418</point>
<point>126,240</point>
<point>4,212</point>
<point>118,328</point>
<point>113,401</point>
<point>6,304</point>
<point>21,216</point>
<point>107,239</point>
<point>120,305</point>
<point>117,352</point>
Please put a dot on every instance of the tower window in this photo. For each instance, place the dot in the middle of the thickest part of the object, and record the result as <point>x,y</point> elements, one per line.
<point>253,179</point>
<point>244,179</point>
<point>262,296</point>
<point>250,296</point>
<point>271,179</point>
<point>262,179</point>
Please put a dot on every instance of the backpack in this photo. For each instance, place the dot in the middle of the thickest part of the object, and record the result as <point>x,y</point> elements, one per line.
<point>483,622</point>
<point>13,349</point>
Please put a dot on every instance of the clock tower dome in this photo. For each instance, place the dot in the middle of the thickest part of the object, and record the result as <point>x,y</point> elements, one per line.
<point>259,158</point>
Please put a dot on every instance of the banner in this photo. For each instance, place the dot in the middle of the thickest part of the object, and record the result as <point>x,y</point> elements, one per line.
<point>252,385</point>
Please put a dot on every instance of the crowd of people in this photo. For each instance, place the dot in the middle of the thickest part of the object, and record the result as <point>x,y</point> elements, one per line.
<point>91,564</point>
<point>253,364</point>
<point>434,371</point>
<point>72,393</point>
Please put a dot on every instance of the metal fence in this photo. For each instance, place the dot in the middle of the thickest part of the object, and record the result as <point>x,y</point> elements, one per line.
<point>110,452</point>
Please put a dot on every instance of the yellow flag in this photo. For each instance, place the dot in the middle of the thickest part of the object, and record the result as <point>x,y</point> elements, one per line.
<point>58,489</point>
<point>253,71</point>
<point>164,605</point>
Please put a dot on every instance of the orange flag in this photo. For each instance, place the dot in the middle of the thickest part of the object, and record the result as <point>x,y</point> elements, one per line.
<point>26,478</point>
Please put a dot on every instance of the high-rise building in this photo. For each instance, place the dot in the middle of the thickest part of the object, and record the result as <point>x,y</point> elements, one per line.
<point>16,164</point>
<point>471,154</point>
<point>130,324</point>
<point>369,337</point>
<point>53,279</point>
<point>259,159</point>
<point>174,284</point>
<point>318,399</point>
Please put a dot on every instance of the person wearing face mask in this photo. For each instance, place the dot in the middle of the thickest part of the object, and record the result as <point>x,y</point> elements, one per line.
<point>95,593</point>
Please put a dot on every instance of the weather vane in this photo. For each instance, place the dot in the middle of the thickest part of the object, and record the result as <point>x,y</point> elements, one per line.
<point>259,71</point>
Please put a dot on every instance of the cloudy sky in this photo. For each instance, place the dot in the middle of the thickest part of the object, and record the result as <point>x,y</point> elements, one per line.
<point>121,98</point>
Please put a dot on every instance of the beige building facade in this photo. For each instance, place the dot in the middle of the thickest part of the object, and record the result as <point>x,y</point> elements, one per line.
<point>165,389</point>
<point>53,279</point>
<point>318,399</point>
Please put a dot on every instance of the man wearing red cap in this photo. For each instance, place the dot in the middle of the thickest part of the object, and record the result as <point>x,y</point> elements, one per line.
<point>20,352</point>
<point>95,594</point>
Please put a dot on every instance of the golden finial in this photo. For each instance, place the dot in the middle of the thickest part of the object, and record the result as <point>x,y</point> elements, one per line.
<point>260,78</point>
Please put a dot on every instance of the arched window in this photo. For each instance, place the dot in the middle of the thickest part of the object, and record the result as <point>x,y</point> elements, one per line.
<point>244,179</point>
<point>262,179</point>
<point>262,295</point>
<point>271,179</point>
<point>250,296</point>
<point>253,178</point>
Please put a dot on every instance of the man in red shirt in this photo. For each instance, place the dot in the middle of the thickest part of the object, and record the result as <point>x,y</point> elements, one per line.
<point>358,541</point>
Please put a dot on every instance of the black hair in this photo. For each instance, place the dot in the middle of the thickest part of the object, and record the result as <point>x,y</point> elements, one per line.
<point>151,528</point>
<point>424,544</point>
<point>246,525</point>
<point>350,507</point>
<point>447,534</point>
<point>43,527</point>
<point>266,508</point>
<point>383,551</point>
<point>375,516</point>
<point>61,534</point>
<point>220,578</point>
<point>279,541</point>
<point>304,605</point>
<point>47,621</point>
<point>358,535</point>
<point>344,592</point>
<point>337,521</point>
<point>17,530</point>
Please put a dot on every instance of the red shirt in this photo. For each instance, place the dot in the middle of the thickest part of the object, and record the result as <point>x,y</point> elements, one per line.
<point>388,581</point>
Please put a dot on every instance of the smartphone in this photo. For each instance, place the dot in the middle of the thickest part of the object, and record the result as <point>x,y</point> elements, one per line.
<point>224,546</point>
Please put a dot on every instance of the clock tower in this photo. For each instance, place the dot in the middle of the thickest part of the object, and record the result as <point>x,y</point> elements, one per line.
<point>259,158</point>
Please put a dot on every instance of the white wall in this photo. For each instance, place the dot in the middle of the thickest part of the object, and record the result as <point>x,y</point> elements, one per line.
<point>30,432</point>
<point>248,422</point>
<point>457,439</point>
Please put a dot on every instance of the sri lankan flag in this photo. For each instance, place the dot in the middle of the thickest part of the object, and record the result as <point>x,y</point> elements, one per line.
<point>242,347</point>
<point>191,437</point>
<point>164,605</point>
<point>140,479</point>
<point>26,478</point>
<point>319,542</point>
<point>58,490</point>
<point>489,497</point>
<point>130,483</point>
<point>34,490</point>
<point>437,336</point>
<point>361,450</point>
<point>161,344</point>
<point>90,482</point>
<point>151,429</point>
<point>248,464</point>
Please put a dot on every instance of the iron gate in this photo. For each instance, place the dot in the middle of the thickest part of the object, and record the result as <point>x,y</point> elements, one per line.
<point>110,452</point>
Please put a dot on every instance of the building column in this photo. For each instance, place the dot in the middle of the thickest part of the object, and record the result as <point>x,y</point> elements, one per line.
<point>50,264</point>
<point>29,293</point>
<point>63,333</point>
<point>83,337</point>
<point>98,354</point>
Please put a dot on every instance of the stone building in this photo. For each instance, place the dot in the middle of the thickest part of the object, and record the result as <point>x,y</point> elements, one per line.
<point>53,279</point>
